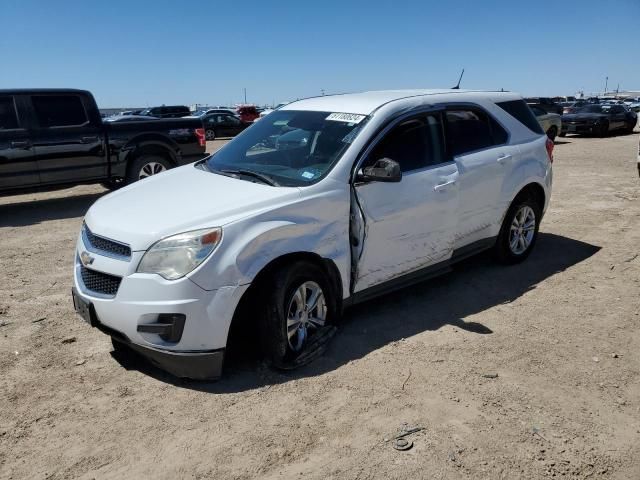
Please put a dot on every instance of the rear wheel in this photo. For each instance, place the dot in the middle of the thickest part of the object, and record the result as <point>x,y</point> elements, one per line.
<point>552,133</point>
<point>146,166</point>
<point>299,311</point>
<point>630,127</point>
<point>210,134</point>
<point>519,231</point>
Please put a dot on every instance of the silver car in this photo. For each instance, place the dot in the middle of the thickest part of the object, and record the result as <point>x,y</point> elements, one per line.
<point>551,123</point>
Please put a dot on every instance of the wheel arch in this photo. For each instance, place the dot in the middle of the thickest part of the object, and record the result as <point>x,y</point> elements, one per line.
<point>243,312</point>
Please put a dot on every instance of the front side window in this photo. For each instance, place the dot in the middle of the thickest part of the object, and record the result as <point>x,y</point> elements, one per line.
<point>292,148</point>
<point>414,144</point>
<point>59,110</point>
<point>471,130</point>
<point>8,116</point>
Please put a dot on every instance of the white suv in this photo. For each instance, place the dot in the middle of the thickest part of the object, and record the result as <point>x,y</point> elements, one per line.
<point>326,202</point>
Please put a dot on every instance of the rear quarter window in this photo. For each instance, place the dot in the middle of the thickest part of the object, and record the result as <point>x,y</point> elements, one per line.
<point>519,110</point>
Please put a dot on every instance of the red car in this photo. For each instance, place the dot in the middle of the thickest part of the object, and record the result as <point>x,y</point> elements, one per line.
<point>247,113</point>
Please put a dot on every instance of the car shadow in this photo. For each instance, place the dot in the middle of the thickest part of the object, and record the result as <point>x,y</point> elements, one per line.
<point>473,286</point>
<point>37,211</point>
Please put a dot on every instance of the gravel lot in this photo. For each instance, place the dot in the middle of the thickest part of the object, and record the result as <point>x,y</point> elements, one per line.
<point>560,332</point>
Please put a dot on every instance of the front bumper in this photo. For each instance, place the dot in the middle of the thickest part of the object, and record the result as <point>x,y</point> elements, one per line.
<point>580,128</point>
<point>144,300</point>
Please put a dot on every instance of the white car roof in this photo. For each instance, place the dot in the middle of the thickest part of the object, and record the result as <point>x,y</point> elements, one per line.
<point>364,103</point>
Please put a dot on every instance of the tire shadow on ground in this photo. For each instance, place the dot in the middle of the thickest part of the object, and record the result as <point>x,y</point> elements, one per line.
<point>473,286</point>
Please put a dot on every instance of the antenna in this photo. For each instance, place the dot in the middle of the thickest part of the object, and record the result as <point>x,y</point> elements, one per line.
<point>457,87</point>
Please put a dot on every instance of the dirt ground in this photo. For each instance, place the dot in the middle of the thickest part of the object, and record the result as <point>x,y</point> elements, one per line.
<point>528,371</point>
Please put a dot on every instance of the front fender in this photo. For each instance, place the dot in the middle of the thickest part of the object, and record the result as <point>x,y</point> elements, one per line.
<point>320,227</point>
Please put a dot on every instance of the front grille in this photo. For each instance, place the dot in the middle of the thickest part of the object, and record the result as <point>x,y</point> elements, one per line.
<point>99,282</point>
<point>105,246</point>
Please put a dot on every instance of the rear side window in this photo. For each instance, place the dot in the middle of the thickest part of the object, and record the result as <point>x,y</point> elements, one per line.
<point>59,110</point>
<point>414,144</point>
<point>519,110</point>
<point>8,115</point>
<point>471,130</point>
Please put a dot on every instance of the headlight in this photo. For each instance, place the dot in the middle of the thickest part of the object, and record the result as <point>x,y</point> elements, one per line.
<point>173,257</point>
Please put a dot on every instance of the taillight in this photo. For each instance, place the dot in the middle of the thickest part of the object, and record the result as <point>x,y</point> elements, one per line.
<point>550,146</point>
<point>201,138</point>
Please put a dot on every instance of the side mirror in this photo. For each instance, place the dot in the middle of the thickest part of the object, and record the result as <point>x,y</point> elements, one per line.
<point>384,170</point>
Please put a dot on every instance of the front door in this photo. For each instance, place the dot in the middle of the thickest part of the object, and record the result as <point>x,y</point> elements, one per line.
<point>407,225</point>
<point>18,167</point>
<point>68,146</point>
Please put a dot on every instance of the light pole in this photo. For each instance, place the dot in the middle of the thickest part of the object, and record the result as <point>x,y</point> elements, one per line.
<point>245,95</point>
<point>606,83</point>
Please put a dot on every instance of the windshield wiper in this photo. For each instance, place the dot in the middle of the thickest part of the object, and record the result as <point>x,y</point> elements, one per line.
<point>249,173</point>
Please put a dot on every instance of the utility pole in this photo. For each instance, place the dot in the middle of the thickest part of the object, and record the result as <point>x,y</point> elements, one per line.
<point>606,83</point>
<point>245,95</point>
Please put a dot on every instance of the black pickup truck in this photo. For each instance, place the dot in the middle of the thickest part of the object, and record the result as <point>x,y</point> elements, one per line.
<point>54,137</point>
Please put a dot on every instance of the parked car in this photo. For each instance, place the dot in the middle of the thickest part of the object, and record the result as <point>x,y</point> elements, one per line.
<point>216,110</point>
<point>393,188</point>
<point>599,119</point>
<point>571,107</point>
<point>222,125</point>
<point>633,103</point>
<point>267,111</point>
<point>52,137</point>
<point>247,113</point>
<point>551,123</point>
<point>170,111</point>
<point>547,104</point>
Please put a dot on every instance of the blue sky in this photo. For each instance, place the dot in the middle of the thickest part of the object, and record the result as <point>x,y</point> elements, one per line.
<point>149,52</point>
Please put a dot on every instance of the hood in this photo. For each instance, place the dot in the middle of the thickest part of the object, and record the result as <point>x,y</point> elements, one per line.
<point>177,201</point>
<point>583,116</point>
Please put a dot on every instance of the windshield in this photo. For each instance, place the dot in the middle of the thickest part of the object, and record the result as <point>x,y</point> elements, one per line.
<point>594,109</point>
<point>293,148</point>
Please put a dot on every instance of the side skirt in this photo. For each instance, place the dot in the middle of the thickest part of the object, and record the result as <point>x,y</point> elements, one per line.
<point>421,275</point>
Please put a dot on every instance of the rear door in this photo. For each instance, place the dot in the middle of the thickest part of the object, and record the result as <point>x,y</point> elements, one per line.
<point>409,225</point>
<point>483,156</point>
<point>18,166</point>
<point>69,146</point>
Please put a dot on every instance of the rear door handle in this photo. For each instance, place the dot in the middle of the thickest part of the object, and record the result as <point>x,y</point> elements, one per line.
<point>504,158</point>
<point>21,144</point>
<point>89,139</point>
<point>442,186</point>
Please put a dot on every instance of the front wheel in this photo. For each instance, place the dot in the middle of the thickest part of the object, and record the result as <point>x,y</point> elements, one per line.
<point>299,313</point>
<point>210,134</point>
<point>519,231</point>
<point>603,131</point>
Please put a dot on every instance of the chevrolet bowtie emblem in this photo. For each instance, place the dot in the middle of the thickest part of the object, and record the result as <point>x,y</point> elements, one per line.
<point>86,259</point>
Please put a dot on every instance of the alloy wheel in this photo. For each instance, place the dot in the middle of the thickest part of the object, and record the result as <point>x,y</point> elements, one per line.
<point>151,168</point>
<point>522,230</point>
<point>307,312</point>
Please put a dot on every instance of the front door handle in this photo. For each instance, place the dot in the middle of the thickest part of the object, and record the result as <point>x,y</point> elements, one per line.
<point>21,144</point>
<point>504,158</point>
<point>89,139</point>
<point>442,186</point>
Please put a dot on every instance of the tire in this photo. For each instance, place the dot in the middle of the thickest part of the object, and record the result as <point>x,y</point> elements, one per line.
<point>552,133</point>
<point>603,131</point>
<point>508,248</point>
<point>210,134</point>
<point>563,134</point>
<point>146,166</point>
<point>630,128</point>
<point>293,333</point>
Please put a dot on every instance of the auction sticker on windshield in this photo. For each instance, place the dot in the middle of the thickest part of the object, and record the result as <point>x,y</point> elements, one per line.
<point>346,117</point>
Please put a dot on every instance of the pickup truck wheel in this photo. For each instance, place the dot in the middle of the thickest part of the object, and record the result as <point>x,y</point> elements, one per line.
<point>299,315</point>
<point>519,231</point>
<point>210,134</point>
<point>146,166</point>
